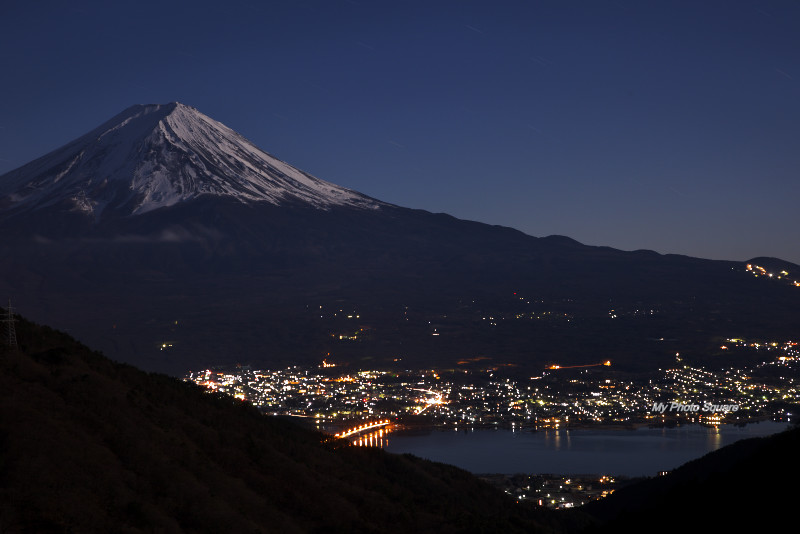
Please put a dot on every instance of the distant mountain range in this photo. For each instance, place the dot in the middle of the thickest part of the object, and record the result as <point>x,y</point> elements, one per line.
<point>169,241</point>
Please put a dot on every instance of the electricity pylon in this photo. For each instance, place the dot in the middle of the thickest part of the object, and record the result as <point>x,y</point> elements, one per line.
<point>11,332</point>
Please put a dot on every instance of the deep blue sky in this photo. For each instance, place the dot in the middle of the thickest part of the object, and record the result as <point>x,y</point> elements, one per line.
<point>673,126</point>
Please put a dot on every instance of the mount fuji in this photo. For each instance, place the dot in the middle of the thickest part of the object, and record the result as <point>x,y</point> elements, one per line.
<point>168,240</point>
<point>151,157</point>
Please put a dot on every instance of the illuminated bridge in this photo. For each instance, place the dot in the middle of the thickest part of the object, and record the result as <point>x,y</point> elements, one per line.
<point>368,426</point>
<point>554,366</point>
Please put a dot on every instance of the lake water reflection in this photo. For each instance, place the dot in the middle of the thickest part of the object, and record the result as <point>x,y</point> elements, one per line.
<point>641,452</point>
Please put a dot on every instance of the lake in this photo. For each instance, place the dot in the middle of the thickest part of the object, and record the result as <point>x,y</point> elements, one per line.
<point>640,452</point>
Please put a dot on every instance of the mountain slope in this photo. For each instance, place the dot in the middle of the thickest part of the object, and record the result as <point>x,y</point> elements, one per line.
<point>163,226</point>
<point>742,487</point>
<point>150,157</point>
<point>88,445</point>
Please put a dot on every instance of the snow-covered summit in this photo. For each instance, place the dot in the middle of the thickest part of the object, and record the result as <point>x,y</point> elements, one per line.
<point>153,156</point>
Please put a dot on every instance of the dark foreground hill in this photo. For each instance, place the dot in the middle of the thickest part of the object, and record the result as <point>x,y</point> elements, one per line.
<point>89,445</point>
<point>748,486</point>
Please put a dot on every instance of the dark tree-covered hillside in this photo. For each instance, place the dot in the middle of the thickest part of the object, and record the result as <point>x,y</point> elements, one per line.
<point>89,445</point>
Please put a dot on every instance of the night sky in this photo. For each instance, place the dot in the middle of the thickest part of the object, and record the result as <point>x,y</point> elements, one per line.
<point>672,126</point>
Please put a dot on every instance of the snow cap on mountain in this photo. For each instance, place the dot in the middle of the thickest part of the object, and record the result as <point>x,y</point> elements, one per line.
<point>154,156</point>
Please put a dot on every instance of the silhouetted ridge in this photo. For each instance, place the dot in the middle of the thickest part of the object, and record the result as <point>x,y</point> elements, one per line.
<point>743,487</point>
<point>89,445</point>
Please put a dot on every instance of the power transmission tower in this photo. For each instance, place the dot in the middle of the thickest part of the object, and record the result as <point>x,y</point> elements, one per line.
<point>11,332</point>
